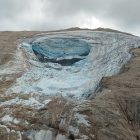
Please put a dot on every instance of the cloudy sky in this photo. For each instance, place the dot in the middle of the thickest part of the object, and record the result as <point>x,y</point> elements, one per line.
<point>18,15</point>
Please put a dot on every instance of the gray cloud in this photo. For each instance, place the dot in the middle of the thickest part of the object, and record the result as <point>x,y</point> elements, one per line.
<point>59,14</point>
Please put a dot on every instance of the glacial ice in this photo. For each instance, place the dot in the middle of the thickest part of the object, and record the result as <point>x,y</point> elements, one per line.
<point>61,48</point>
<point>99,54</point>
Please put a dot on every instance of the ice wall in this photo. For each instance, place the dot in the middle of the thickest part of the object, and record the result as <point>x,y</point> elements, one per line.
<point>61,51</point>
<point>81,78</point>
<point>61,48</point>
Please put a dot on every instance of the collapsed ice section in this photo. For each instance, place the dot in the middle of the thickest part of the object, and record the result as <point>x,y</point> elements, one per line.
<point>61,48</point>
<point>97,54</point>
<point>62,51</point>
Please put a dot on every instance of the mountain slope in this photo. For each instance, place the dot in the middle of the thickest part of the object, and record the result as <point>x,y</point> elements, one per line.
<point>114,115</point>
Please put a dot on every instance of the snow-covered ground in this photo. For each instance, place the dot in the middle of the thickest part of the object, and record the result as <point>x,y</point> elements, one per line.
<point>101,53</point>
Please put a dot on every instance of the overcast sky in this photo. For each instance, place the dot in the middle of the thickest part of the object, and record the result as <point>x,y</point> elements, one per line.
<point>18,15</point>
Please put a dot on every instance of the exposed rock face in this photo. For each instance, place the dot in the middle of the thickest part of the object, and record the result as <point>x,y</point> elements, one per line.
<point>113,116</point>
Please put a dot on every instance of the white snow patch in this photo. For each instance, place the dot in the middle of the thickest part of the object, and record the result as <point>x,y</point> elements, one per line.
<point>17,65</point>
<point>12,130</point>
<point>61,137</point>
<point>26,122</point>
<point>16,121</point>
<point>20,138</point>
<point>40,135</point>
<point>47,101</point>
<point>4,126</point>
<point>92,136</point>
<point>7,118</point>
<point>7,78</point>
<point>81,119</point>
<point>84,137</point>
<point>32,102</point>
<point>73,130</point>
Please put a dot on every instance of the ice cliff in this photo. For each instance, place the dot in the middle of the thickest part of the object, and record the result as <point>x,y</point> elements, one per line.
<point>72,64</point>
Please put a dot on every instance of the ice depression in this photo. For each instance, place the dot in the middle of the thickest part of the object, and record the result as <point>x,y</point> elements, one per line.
<point>72,63</point>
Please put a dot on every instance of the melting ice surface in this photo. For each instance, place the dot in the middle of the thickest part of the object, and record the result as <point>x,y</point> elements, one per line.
<point>73,63</point>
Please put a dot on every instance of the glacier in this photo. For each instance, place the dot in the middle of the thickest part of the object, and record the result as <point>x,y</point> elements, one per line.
<point>71,64</point>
